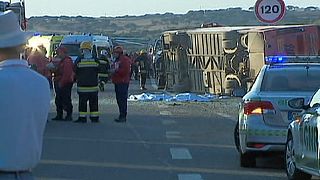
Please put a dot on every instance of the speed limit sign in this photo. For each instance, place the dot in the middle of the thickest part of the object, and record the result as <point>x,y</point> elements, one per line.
<point>270,11</point>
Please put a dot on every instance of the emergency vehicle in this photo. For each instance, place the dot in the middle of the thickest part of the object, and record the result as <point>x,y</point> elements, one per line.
<point>100,43</point>
<point>72,43</point>
<point>50,42</point>
<point>302,148</point>
<point>265,114</point>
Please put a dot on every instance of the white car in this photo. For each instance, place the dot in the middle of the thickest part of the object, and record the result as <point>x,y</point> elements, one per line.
<point>302,148</point>
<point>264,114</point>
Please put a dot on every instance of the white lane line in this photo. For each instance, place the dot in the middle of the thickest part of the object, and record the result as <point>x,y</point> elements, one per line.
<point>180,154</point>
<point>165,113</point>
<point>178,169</point>
<point>227,116</point>
<point>168,122</point>
<point>87,140</point>
<point>189,177</point>
<point>173,135</point>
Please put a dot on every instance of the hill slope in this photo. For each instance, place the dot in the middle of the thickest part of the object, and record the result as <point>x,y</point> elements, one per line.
<point>151,26</point>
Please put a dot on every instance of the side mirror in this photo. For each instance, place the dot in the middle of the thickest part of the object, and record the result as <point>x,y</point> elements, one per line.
<point>297,103</point>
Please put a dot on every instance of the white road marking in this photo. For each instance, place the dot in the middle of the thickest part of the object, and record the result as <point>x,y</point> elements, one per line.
<point>237,172</point>
<point>173,135</point>
<point>227,116</point>
<point>168,122</point>
<point>180,153</point>
<point>136,142</point>
<point>189,177</point>
<point>165,113</point>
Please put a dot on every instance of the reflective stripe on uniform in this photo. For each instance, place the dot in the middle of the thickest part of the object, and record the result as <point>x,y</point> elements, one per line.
<point>103,75</point>
<point>88,89</point>
<point>94,114</point>
<point>102,62</point>
<point>83,114</point>
<point>87,64</point>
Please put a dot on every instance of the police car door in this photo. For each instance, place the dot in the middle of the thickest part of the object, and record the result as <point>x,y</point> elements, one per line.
<point>310,136</point>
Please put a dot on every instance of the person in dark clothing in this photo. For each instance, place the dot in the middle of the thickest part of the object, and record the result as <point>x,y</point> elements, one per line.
<point>134,67</point>
<point>142,62</point>
<point>121,78</point>
<point>63,81</point>
<point>104,67</point>
<point>87,68</point>
<point>160,70</point>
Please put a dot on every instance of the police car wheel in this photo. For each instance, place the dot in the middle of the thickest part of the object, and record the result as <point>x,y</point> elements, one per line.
<point>236,137</point>
<point>292,172</point>
<point>247,160</point>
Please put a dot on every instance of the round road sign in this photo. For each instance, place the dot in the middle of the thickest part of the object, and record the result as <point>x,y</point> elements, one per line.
<point>270,11</point>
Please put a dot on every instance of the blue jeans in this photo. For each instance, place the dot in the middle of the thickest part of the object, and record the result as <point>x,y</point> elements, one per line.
<point>122,98</point>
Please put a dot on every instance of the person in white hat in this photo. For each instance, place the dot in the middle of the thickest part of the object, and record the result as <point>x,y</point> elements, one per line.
<point>24,102</point>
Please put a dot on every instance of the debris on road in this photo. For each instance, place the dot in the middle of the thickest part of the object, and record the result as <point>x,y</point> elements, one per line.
<point>183,97</point>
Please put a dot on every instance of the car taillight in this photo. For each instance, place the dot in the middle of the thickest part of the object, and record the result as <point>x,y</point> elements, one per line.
<point>257,107</point>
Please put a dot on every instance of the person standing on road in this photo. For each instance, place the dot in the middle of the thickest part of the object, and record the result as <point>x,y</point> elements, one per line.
<point>24,102</point>
<point>38,62</point>
<point>104,67</point>
<point>142,63</point>
<point>121,80</point>
<point>87,68</point>
<point>63,81</point>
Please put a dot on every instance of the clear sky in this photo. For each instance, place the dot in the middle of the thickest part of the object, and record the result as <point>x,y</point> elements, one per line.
<point>98,8</point>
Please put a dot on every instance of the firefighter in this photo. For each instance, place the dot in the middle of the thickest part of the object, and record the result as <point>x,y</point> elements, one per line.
<point>104,67</point>
<point>142,62</point>
<point>63,81</point>
<point>87,83</point>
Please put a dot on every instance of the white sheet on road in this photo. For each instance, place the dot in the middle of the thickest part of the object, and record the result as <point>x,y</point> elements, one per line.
<point>183,97</point>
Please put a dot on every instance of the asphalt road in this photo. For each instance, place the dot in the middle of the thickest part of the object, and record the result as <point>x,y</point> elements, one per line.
<point>160,141</point>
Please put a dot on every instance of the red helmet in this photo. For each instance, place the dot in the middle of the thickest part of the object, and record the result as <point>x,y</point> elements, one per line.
<point>62,49</point>
<point>118,49</point>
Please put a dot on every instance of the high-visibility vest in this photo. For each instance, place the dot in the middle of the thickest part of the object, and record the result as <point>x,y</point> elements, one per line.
<point>87,75</point>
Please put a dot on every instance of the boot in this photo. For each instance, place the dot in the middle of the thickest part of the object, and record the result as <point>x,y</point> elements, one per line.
<point>57,118</point>
<point>95,120</point>
<point>68,118</point>
<point>81,120</point>
<point>121,120</point>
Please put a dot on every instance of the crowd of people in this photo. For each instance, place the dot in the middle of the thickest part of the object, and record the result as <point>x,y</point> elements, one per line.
<point>28,70</point>
<point>90,74</point>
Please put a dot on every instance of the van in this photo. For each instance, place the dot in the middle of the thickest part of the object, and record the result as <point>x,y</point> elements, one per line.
<point>101,43</point>
<point>72,43</point>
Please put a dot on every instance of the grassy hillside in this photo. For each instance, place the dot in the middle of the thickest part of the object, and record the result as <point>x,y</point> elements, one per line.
<point>151,26</point>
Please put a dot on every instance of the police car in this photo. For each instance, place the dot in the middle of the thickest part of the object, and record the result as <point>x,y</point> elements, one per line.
<point>264,113</point>
<point>302,148</point>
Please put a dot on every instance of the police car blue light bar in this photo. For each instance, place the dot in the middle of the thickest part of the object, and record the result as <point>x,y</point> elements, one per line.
<point>275,59</point>
<point>291,59</point>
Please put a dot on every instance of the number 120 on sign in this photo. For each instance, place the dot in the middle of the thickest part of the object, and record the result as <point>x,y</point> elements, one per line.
<point>270,11</point>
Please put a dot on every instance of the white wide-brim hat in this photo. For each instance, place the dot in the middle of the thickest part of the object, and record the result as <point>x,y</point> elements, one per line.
<point>11,34</point>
